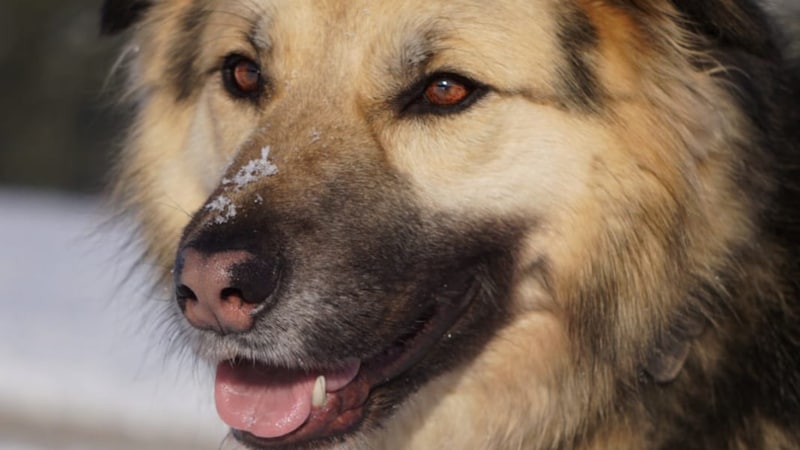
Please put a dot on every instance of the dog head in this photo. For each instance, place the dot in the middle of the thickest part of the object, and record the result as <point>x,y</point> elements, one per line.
<point>393,201</point>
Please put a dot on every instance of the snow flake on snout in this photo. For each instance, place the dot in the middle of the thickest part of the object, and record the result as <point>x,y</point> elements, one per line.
<point>253,171</point>
<point>224,208</point>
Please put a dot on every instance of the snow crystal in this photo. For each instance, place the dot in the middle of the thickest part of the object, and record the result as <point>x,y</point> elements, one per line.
<point>253,171</point>
<point>225,207</point>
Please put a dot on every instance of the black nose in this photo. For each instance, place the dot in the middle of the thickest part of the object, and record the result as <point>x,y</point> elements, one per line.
<point>223,290</point>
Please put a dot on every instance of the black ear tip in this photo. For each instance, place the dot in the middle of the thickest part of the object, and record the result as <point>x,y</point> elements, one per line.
<point>117,15</point>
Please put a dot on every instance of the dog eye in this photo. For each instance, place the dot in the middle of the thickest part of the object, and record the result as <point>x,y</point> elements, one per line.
<point>242,77</point>
<point>446,92</point>
<point>442,93</point>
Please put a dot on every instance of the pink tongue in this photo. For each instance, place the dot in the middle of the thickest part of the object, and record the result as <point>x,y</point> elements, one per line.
<point>269,402</point>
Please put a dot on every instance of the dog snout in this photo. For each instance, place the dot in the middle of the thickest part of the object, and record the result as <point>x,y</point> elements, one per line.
<point>224,290</point>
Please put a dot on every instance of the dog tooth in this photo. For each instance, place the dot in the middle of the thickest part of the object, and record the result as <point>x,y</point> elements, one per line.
<point>318,394</point>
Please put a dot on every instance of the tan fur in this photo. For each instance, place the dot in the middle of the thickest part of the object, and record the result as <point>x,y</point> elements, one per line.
<point>611,193</point>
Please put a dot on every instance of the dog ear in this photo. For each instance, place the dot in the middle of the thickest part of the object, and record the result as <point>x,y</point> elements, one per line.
<point>117,15</point>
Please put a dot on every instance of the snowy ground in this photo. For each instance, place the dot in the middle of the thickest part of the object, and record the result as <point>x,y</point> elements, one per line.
<point>83,363</point>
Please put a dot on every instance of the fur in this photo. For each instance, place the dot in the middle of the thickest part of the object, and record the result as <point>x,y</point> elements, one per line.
<point>622,184</point>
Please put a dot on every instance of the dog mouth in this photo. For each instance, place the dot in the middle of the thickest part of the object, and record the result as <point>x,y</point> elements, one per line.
<point>268,407</point>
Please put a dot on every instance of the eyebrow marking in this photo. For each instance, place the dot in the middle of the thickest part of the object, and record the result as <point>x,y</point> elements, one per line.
<point>578,38</point>
<point>417,51</point>
<point>184,51</point>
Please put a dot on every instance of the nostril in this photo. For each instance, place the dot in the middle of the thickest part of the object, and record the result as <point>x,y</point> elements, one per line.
<point>183,294</point>
<point>254,280</point>
<point>231,292</point>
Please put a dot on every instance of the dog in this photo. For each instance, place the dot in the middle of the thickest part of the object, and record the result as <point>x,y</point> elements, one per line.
<point>407,224</point>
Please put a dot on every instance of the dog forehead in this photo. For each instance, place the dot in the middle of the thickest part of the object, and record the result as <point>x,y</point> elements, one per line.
<point>337,37</point>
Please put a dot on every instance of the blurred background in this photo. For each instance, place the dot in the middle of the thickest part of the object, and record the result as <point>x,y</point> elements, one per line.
<point>84,363</point>
<point>83,347</point>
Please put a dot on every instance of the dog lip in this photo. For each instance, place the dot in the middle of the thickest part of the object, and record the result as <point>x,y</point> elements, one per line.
<point>345,409</point>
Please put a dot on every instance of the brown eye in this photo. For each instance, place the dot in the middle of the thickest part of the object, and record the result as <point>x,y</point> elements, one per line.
<point>446,92</point>
<point>247,76</point>
<point>242,77</point>
<point>441,93</point>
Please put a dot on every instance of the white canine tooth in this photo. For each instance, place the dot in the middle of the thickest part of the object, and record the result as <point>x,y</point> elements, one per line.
<point>318,395</point>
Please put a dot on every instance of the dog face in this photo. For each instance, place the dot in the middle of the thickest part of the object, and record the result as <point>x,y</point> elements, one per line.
<point>437,206</point>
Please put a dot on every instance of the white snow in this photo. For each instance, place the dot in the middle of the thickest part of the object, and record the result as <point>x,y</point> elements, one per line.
<point>82,354</point>
<point>224,206</point>
<point>253,171</point>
